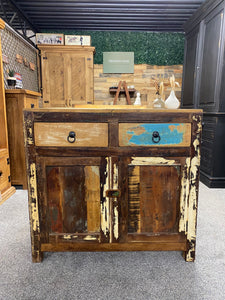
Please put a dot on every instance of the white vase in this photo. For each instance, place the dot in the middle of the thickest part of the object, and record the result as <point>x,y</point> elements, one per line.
<point>138,99</point>
<point>172,102</point>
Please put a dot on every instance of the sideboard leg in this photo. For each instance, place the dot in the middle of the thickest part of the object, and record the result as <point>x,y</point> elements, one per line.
<point>37,256</point>
<point>189,255</point>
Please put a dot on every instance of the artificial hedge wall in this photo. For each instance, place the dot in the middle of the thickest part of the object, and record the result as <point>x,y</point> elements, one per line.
<point>151,48</point>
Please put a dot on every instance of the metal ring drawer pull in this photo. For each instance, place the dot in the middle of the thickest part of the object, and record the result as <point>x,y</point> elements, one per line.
<point>156,137</point>
<point>71,137</point>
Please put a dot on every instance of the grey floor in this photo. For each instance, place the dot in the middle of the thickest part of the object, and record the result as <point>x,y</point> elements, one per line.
<point>119,275</point>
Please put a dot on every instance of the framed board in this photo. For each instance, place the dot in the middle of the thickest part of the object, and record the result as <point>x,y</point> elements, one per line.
<point>118,62</point>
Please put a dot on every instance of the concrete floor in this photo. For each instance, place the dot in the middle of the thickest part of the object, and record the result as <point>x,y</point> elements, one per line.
<point>119,275</point>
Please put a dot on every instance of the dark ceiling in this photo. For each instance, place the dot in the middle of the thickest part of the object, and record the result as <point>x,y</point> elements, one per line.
<point>132,15</point>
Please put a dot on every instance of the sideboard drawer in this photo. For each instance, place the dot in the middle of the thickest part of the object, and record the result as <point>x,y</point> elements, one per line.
<point>155,134</point>
<point>71,134</point>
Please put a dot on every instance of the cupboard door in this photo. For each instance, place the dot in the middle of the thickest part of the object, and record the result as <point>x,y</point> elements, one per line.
<point>53,79</point>
<point>80,78</point>
<point>211,57</point>
<point>150,198</point>
<point>190,69</point>
<point>71,208</point>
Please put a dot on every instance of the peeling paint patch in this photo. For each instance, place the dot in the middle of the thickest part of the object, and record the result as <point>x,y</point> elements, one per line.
<point>115,176</point>
<point>193,193</point>
<point>185,185</point>
<point>90,238</point>
<point>116,223</point>
<point>136,161</point>
<point>67,236</point>
<point>33,194</point>
<point>105,204</point>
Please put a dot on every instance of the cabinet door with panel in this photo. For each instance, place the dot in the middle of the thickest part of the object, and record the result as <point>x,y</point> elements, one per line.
<point>70,196</point>
<point>53,78</point>
<point>152,189</point>
<point>191,69</point>
<point>210,75</point>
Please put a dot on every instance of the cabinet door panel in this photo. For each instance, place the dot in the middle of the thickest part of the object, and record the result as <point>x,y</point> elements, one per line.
<point>71,198</point>
<point>211,50</point>
<point>189,69</point>
<point>66,199</point>
<point>153,199</point>
<point>152,195</point>
<point>53,78</point>
<point>77,80</point>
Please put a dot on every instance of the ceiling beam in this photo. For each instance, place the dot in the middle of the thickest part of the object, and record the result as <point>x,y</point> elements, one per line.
<point>24,16</point>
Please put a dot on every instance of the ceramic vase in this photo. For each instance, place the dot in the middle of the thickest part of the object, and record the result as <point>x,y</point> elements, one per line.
<point>172,102</point>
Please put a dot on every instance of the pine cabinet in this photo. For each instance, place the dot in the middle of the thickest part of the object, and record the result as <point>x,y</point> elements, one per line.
<point>67,75</point>
<point>6,190</point>
<point>203,85</point>
<point>109,179</point>
<point>16,101</point>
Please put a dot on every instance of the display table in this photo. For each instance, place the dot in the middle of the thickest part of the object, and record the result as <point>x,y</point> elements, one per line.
<point>108,178</point>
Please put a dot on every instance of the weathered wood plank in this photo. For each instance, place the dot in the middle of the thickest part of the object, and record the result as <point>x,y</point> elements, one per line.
<point>159,198</point>
<point>86,134</point>
<point>150,246</point>
<point>92,197</point>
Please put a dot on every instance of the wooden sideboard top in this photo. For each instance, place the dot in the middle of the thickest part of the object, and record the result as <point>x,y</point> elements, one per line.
<point>114,109</point>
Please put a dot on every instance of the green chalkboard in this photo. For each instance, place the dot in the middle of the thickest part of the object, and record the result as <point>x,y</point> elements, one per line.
<point>118,62</point>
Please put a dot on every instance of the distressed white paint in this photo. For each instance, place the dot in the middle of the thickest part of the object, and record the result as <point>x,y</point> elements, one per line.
<point>115,176</point>
<point>193,193</point>
<point>137,161</point>
<point>90,238</point>
<point>29,138</point>
<point>67,236</point>
<point>33,195</point>
<point>185,186</point>
<point>105,205</point>
<point>116,223</point>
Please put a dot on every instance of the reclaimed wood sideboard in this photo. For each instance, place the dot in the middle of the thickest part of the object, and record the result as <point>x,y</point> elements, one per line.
<point>112,179</point>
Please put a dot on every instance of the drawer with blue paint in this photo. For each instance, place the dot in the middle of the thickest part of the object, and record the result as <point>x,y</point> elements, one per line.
<point>155,134</point>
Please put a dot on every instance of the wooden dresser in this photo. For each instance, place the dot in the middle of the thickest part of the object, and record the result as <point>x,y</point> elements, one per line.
<point>112,179</point>
<point>16,101</point>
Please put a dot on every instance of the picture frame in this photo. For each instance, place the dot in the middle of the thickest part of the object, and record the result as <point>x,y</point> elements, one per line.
<point>49,38</point>
<point>79,40</point>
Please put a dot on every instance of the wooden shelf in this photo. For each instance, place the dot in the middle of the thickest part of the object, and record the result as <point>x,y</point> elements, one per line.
<point>114,90</point>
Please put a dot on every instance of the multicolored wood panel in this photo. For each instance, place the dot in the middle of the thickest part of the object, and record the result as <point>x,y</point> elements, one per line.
<point>153,200</point>
<point>141,134</point>
<point>73,197</point>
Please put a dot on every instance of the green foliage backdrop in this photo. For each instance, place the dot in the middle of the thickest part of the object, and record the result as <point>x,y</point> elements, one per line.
<point>151,48</point>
